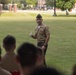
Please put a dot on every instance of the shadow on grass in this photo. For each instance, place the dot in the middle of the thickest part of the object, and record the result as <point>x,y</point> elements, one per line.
<point>66,15</point>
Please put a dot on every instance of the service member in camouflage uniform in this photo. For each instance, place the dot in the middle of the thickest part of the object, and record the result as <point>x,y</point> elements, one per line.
<point>42,34</point>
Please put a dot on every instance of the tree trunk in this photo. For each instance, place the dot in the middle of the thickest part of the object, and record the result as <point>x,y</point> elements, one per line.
<point>67,12</point>
<point>54,8</point>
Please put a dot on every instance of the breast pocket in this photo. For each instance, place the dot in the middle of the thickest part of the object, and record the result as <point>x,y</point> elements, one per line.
<point>41,31</point>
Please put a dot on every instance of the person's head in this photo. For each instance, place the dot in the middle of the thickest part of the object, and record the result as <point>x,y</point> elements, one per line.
<point>27,54</point>
<point>74,70</point>
<point>9,43</point>
<point>45,71</point>
<point>39,19</point>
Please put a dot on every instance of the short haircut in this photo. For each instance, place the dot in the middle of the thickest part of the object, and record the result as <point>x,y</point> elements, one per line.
<point>27,54</point>
<point>45,71</point>
<point>9,40</point>
<point>38,16</point>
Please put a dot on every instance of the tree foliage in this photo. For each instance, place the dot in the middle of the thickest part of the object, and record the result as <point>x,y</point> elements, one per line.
<point>5,1</point>
<point>49,2</point>
<point>31,2</point>
<point>65,4</point>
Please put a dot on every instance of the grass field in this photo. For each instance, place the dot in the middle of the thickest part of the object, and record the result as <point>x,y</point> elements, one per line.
<point>61,51</point>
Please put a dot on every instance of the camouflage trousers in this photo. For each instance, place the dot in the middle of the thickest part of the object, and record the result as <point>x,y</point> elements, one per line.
<point>40,44</point>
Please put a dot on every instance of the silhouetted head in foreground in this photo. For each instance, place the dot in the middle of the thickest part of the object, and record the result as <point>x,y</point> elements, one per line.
<point>27,54</point>
<point>27,57</point>
<point>74,70</point>
<point>45,71</point>
<point>9,43</point>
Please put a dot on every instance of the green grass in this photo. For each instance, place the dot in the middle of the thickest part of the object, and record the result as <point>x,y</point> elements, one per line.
<point>61,51</point>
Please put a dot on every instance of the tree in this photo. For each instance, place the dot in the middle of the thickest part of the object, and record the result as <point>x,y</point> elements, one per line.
<point>4,1</point>
<point>49,3</point>
<point>65,5</point>
<point>31,2</point>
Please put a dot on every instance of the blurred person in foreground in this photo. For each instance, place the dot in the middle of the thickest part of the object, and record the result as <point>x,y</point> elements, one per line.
<point>2,71</point>
<point>9,62</point>
<point>29,57</point>
<point>45,71</point>
<point>74,70</point>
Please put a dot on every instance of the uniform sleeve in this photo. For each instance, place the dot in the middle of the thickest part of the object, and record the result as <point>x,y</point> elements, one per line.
<point>47,32</point>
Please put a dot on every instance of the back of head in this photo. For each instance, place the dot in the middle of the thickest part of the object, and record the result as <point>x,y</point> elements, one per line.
<point>74,70</point>
<point>45,71</point>
<point>27,54</point>
<point>8,42</point>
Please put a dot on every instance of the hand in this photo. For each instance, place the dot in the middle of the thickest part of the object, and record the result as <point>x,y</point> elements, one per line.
<point>43,47</point>
<point>30,34</point>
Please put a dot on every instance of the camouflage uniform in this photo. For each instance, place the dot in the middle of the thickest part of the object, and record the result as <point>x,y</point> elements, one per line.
<point>42,32</point>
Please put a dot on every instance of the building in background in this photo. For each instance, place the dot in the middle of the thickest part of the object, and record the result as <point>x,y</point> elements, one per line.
<point>41,4</point>
<point>74,9</point>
